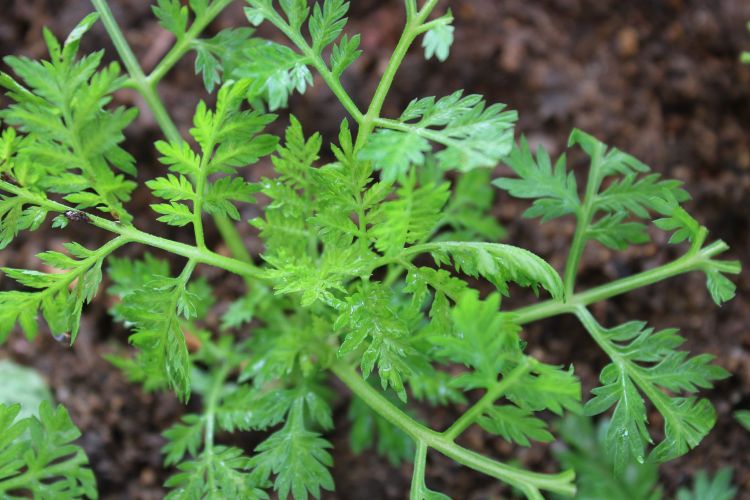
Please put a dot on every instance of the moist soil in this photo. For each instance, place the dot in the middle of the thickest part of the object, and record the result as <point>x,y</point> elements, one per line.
<point>660,80</point>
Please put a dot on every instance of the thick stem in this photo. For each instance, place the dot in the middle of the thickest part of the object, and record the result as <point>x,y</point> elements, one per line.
<point>529,482</point>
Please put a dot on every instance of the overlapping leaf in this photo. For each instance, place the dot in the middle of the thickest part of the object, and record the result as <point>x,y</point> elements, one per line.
<point>153,309</point>
<point>496,262</point>
<point>60,296</point>
<point>645,363</point>
<point>72,141</point>
<point>229,137</point>
<point>38,457</point>
<point>472,135</point>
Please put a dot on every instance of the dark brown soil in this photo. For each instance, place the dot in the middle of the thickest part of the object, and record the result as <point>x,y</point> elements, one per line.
<point>660,80</point>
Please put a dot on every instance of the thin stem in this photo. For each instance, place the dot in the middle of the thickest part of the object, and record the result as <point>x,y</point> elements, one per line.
<point>183,44</point>
<point>489,398</point>
<point>140,82</point>
<point>692,261</point>
<point>411,9</point>
<point>417,478</point>
<point>145,86</point>
<point>583,215</point>
<point>233,239</point>
<point>132,234</point>
<point>411,31</point>
<point>313,58</point>
<point>211,404</point>
<point>529,482</point>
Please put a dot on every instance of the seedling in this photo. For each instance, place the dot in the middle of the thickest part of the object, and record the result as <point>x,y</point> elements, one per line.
<point>369,244</point>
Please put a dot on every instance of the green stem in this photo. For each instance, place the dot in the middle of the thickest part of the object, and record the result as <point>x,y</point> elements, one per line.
<point>411,9</point>
<point>529,482</point>
<point>692,261</point>
<point>410,33</point>
<point>132,234</point>
<point>146,87</point>
<point>583,215</point>
<point>233,239</point>
<point>211,404</point>
<point>140,82</point>
<point>28,477</point>
<point>628,368</point>
<point>313,58</point>
<point>183,44</point>
<point>489,398</point>
<point>417,478</point>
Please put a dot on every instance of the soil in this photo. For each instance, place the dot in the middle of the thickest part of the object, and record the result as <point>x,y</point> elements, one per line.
<point>660,80</point>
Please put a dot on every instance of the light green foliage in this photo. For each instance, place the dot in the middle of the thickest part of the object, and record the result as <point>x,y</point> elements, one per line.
<point>72,141</point>
<point>472,134</point>
<point>297,456</point>
<point>625,191</point>
<point>465,218</point>
<point>153,310</point>
<point>647,363</point>
<point>372,250</point>
<point>38,457</point>
<point>411,217</point>
<point>554,190</point>
<point>156,306</point>
<point>279,70</point>
<point>707,488</point>
<point>206,470</point>
<point>487,342</point>
<point>745,56</point>
<point>586,451</point>
<point>22,385</point>
<point>228,138</point>
<point>438,40</point>
<point>498,263</point>
<point>60,296</point>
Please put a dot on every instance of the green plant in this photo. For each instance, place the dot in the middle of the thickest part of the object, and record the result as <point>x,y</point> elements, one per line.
<point>585,450</point>
<point>346,282</point>
<point>37,455</point>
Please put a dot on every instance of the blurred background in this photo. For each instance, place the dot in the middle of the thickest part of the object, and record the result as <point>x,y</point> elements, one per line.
<point>658,79</point>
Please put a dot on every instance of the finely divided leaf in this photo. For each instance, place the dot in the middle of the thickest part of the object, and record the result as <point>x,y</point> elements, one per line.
<point>153,309</point>
<point>38,458</point>
<point>472,134</point>
<point>555,189</point>
<point>498,263</point>
<point>645,363</point>
<point>438,40</point>
<point>410,218</point>
<point>298,457</point>
<point>72,141</point>
<point>515,424</point>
